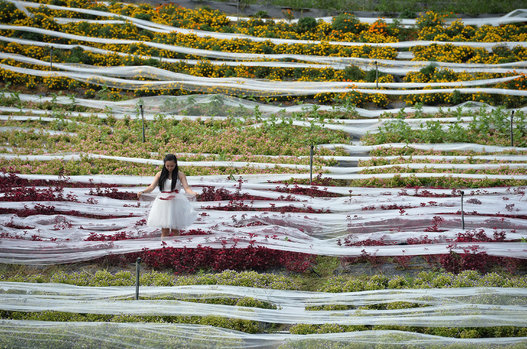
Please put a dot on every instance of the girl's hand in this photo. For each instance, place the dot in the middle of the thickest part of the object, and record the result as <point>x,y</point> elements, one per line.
<point>139,195</point>
<point>191,192</point>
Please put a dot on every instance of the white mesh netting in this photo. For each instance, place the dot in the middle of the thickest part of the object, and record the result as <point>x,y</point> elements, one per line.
<point>515,16</point>
<point>254,87</point>
<point>39,334</point>
<point>153,73</point>
<point>397,67</point>
<point>390,214</point>
<point>450,307</point>
<point>218,105</point>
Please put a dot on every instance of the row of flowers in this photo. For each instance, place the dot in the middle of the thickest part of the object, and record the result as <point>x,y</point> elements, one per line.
<point>123,137</point>
<point>344,27</point>
<point>206,69</point>
<point>409,150</point>
<point>381,161</point>
<point>446,53</point>
<point>496,125</point>
<point>43,18</point>
<point>91,90</point>
<point>413,181</point>
<point>502,170</point>
<point>333,284</point>
<point>93,167</point>
<point>103,278</point>
<point>112,167</point>
<point>186,260</point>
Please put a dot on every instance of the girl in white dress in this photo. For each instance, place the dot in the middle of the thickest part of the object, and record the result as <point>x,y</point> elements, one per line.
<point>171,210</point>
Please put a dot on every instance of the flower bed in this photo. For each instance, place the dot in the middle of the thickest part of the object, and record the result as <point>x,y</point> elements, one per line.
<point>231,137</point>
<point>263,226</point>
<point>397,181</point>
<point>344,27</point>
<point>471,258</point>
<point>495,124</point>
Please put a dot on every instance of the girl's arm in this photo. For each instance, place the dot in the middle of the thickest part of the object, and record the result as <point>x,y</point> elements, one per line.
<point>184,183</point>
<point>151,187</point>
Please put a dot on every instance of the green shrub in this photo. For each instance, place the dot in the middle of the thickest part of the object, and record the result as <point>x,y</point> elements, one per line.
<point>353,73</point>
<point>303,329</point>
<point>346,23</point>
<point>306,24</point>
<point>398,282</point>
<point>9,13</point>
<point>254,303</point>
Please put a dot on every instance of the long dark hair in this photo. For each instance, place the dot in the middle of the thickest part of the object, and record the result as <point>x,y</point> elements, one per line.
<point>165,173</point>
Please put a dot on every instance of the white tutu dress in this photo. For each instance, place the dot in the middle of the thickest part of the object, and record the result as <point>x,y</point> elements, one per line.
<point>171,209</point>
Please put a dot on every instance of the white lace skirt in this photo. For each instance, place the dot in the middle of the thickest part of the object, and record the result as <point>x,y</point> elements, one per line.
<point>171,210</point>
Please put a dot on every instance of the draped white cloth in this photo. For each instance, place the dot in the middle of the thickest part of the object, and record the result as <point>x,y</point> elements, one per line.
<point>40,334</point>
<point>449,307</point>
<point>390,214</point>
<point>515,16</point>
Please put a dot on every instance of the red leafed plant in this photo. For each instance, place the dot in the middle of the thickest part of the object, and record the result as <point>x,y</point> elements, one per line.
<point>235,205</point>
<point>51,210</point>
<point>221,194</point>
<point>311,191</point>
<point>188,260</point>
<point>113,193</point>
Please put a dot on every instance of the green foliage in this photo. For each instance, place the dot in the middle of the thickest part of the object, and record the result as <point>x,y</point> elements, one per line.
<point>252,279</point>
<point>407,13</point>
<point>346,23</point>
<point>245,278</point>
<point>452,332</point>
<point>429,70</point>
<point>398,282</point>
<point>377,282</point>
<point>430,19</point>
<point>254,303</point>
<point>261,14</point>
<point>495,124</point>
<point>470,278</point>
<point>143,16</point>
<point>372,75</point>
<point>328,282</point>
<point>326,265</point>
<point>247,326</point>
<point>306,24</point>
<point>302,329</point>
<point>353,73</point>
<point>9,13</point>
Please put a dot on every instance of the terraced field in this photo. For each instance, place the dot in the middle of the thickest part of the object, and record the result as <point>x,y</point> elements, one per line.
<point>407,228</point>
